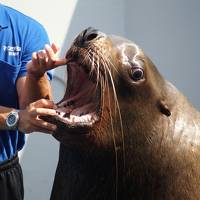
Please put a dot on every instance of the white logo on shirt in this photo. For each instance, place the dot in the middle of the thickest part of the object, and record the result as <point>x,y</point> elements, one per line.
<point>12,50</point>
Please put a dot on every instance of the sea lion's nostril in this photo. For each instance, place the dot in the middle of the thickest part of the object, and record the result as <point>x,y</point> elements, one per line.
<point>87,36</point>
<point>91,36</point>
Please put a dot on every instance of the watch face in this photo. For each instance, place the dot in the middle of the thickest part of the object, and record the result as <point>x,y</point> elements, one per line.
<point>12,119</point>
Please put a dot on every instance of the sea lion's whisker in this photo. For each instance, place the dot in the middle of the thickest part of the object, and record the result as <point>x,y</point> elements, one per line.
<point>119,112</point>
<point>98,72</point>
<point>85,58</point>
<point>113,136</point>
<point>93,62</point>
<point>112,66</point>
<point>108,72</point>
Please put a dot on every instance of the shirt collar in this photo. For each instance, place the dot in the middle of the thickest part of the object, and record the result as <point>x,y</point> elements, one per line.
<point>3,18</point>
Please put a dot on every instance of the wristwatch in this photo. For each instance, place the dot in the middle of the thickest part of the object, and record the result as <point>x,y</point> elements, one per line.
<point>12,120</point>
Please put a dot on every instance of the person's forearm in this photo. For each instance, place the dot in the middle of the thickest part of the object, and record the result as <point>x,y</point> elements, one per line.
<point>4,112</point>
<point>37,88</point>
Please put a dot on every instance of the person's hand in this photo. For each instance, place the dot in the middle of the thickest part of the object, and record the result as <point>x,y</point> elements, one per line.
<point>29,119</point>
<point>44,60</point>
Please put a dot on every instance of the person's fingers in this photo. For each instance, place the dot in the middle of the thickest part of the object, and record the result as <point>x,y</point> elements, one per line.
<point>42,54</point>
<point>43,126</point>
<point>35,58</point>
<point>36,128</point>
<point>55,47</point>
<point>29,124</point>
<point>44,112</point>
<point>42,58</point>
<point>43,103</point>
<point>54,61</point>
<point>33,62</point>
<point>60,62</point>
<point>50,53</point>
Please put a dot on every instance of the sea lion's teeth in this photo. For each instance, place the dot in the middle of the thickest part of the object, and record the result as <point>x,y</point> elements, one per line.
<point>87,118</point>
<point>64,112</point>
<point>79,119</point>
<point>66,115</point>
<point>58,112</point>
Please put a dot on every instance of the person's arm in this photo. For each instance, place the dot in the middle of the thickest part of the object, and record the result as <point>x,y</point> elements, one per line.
<point>34,94</point>
<point>37,85</point>
<point>28,115</point>
<point>32,86</point>
<point>34,91</point>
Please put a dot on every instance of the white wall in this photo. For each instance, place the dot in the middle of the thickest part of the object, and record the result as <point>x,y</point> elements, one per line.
<point>168,31</point>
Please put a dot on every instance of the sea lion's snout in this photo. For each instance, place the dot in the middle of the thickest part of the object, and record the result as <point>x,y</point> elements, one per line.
<point>83,86</point>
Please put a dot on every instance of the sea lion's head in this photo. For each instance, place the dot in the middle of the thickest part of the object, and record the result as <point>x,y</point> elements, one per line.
<point>113,90</point>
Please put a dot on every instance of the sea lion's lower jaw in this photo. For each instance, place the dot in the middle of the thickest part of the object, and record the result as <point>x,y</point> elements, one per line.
<point>76,124</point>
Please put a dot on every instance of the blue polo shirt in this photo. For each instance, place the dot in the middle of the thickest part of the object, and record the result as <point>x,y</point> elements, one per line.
<point>20,36</point>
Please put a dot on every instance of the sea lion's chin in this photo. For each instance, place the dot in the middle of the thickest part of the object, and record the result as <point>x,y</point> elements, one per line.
<point>79,110</point>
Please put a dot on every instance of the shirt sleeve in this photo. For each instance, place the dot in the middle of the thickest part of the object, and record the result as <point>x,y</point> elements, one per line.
<point>35,39</point>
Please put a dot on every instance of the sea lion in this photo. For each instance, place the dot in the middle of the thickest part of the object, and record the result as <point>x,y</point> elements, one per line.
<point>126,133</point>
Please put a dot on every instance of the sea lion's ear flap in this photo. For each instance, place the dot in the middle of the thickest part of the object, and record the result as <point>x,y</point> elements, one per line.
<point>163,107</point>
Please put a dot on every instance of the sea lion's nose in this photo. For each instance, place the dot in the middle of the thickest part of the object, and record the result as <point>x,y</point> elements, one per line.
<point>87,36</point>
<point>90,34</point>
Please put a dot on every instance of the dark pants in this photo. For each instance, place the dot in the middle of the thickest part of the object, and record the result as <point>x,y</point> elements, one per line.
<point>11,180</point>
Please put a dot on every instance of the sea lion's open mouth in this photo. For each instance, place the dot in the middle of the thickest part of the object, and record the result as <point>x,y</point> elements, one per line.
<point>80,108</point>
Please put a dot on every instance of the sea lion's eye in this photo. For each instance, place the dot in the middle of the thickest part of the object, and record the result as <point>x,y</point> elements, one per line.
<point>137,73</point>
